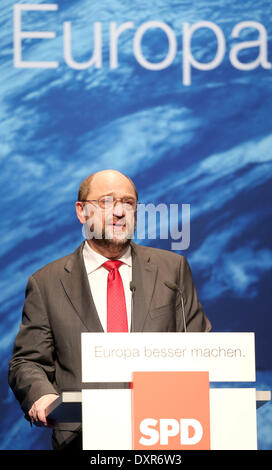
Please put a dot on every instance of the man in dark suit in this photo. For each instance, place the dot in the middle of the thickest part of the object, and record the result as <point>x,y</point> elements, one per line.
<point>71,296</point>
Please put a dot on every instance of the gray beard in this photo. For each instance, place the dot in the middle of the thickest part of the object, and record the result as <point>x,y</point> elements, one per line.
<point>104,241</point>
<point>110,243</point>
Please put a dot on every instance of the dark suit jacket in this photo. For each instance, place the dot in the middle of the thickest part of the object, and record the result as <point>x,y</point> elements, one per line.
<point>59,307</point>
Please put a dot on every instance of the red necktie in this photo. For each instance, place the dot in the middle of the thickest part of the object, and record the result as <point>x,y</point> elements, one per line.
<point>116,302</point>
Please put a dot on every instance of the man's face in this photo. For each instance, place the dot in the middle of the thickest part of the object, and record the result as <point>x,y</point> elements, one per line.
<point>111,221</point>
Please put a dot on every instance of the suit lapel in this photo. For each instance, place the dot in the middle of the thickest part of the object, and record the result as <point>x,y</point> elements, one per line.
<point>76,285</point>
<point>144,275</point>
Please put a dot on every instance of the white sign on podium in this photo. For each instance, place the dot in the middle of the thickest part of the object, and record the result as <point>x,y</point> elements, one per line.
<point>113,357</point>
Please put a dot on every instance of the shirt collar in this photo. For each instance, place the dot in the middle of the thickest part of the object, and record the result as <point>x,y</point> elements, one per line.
<point>94,260</point>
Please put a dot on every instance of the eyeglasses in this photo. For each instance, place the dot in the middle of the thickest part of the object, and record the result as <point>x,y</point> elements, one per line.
<point>108,202</point>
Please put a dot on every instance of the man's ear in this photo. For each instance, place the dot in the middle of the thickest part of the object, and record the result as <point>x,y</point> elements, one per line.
<point>81,212</point>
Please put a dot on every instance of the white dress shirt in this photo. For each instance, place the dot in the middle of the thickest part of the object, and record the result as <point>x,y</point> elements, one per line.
<point>98,277</point>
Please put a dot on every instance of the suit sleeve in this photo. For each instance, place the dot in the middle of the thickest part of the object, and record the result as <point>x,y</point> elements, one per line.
<point>195,317</point>
<point>31,368</point>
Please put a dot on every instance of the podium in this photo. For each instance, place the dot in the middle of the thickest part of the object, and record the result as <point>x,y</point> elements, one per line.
<point>145,391</point>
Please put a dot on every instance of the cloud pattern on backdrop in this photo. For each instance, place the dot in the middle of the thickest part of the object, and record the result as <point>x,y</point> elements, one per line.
<point>208,145</point>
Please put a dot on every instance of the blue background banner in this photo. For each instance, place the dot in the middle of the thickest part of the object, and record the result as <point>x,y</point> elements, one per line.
<point>177,95</point>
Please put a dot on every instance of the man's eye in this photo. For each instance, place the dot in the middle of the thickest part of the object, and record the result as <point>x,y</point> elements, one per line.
<point>106,200</point>
<point>130,202</point>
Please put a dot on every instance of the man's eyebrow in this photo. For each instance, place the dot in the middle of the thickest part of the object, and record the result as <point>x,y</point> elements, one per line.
<point>123,195</point>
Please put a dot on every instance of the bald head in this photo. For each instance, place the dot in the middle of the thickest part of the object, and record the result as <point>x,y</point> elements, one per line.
<point>106,182</point>
<point>108,228</point>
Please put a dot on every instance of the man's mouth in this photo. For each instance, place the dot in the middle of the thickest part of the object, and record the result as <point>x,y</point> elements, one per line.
<point>118,226</point>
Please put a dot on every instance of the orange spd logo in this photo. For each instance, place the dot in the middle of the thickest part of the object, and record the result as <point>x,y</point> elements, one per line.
<point>170,410</point>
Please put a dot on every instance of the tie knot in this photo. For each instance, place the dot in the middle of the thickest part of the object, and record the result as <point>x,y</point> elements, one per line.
<point>111,265</point>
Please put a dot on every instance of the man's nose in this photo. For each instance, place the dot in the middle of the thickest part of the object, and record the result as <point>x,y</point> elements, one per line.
<point>118,209</point>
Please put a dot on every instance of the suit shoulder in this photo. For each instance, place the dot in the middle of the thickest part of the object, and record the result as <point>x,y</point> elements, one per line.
<point>158,253</point>
<point>54,267</point>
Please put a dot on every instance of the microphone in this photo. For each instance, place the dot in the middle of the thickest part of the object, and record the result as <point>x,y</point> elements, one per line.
<point>175,287</point>
<point>133,289</point>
